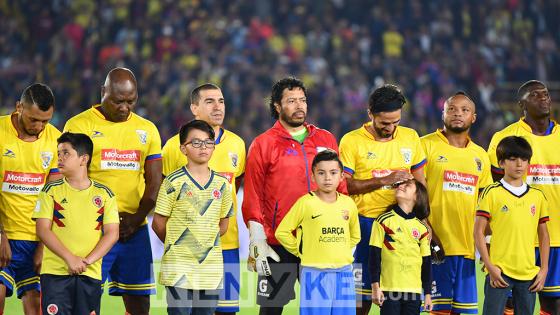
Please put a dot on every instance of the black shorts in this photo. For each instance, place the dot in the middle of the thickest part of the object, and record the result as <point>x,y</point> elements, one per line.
<point>277,290</point>
<point>67,295</point>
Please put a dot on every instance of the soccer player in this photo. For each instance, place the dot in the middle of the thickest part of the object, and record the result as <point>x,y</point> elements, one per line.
<point>228,160</point>
<point>400,262</point>
<point>192,211</point>
<point>516,213</point>
<point>78,221</point>
<point>456,170</point>
<point>375,157</point>
<point>543,173</point>
<point>327,222</point>
<point>278,172</point>
<point>127,159</point>
<point>28,161</point>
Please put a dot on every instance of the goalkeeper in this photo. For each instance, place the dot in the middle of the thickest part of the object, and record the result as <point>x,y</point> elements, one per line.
<point>277,173</point>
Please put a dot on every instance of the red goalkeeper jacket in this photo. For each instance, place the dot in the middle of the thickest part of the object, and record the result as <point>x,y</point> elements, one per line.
<point>278,172</point>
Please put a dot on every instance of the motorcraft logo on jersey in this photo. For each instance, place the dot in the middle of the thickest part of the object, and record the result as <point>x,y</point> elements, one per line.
<point>113,159</point>
<point>46,158</point>
<point>407,155</point>
<point>23,183</point>
<point>142,136</point>
<point>9,153</point>
<point>460,182</point>
<point>539,174</point>
<point>234,158</point>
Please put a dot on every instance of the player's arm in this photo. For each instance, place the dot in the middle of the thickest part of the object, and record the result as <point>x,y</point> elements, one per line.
<point>364,186</point>
<point>223,225</point>
<point>159,225</point>
<point>375,245</point>
<point>480,223</point>
<point>284,232</point>
<point>544,251</point>
<point>76,265</point>
<point>239,182</point>
<point>355,233</point>
<point>5,249</point>
<point>166,198</point>
<point>109,238</point>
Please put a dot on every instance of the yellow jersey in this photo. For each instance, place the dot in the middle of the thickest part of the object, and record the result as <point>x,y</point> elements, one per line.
<point>454,177</point>
<point>78,217</point>
<point>228,160</point>
<point>24,168</point>
<point>364,158</point>
<point>544,168</point>
<point>514,221</point>
<point>403,240</point>
<point>120,150</point>
<point>192,254</point>
<point>327,231</point>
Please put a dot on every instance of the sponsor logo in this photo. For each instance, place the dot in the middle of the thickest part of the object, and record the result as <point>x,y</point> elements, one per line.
<point>371,156</point>
<point>63,201</point>
<point>407,155</point>
<point>234,158</point>
<point>263,287</point>
<point>97,134</point>
<point>113,159</point>
<point>533,210</point>
<point>321,149</point>
<point>9,153</point>
<point>52,309</point>
<point>539,174</point>
<point>357,272</point>
<point>441,159</point>
<point>46,158</point>
<point>315,216</point>
<point>399,230</point>
<point>415,233</point>
<point>97,201</point>
<point>290,152</point>
<point>460,182</point>
<point>504,209</point>
<point>142,136</point>
<point>216,194</point>
<point>37,206</point>
<point>23,183</point>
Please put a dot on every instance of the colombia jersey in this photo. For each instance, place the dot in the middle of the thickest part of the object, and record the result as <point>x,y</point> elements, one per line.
<point>120,150</point>
<point>78,217</point>
<point>514,222</point>
<point>327,232</point>
<point>192,255</point>
<point>364,158</point>
<point>228,160</point>
<point>454,177</point>
<point>24,168</point>
<point>544,168</point>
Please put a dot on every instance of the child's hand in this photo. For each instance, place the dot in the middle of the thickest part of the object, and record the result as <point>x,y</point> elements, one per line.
<point>496,280</point>
<point>538,283</point>
<point>377,296</point>
<point>428,303</point>
<point>76,265</point>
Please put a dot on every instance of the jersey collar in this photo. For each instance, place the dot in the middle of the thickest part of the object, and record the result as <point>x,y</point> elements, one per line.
<point>439,133</point>
<point>15,132</point>
<point>550,130</point>
<point>366,133</point>
<point>220,137</point>
<point>403,214</point>
<point>99,114</point>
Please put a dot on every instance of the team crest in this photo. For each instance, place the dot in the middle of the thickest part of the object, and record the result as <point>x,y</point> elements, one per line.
<point>46,158</point>
<point>52,309</point>
<point>407,155</point>
<point>142,136</point>
<point>478,164</point>
<point>216,194</point>
<point>345,214</point>
<point>234,158</point>
<point>97,201</point>
<point>533,210</point>
<point>415,233</point>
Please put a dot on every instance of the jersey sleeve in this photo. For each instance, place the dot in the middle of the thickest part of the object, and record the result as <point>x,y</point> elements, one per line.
<point>171,155</point>
<point>253,192</point>
<point>110,211</point>
<point>495,167</point>
<point>44,207</point>
<point>425,144</point>
<point>483,208</point>
<point>347,155</point>
<point>242,158</point>
<point>425,243</point>
<point>377,235</point>
<point>226,210</point>
<point>154,149</point>
<point>73,125</point>
<point>355,234</point>
<point>543,211</point>
<point>486,176</point>
<point>166,198</point>
<point>289,223</point>
<point>418,156</point>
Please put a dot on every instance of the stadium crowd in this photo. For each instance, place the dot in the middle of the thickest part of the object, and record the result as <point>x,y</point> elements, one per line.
<point>340,49</point>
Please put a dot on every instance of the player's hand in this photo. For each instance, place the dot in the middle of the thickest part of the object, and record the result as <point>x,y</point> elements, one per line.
<point>38,258</point>
<point>538,282</point>
<point>396,177</point>
<point>129,224</point>
<point>437,252</point>
<point>377,296</point>
<point>428,303</point>
<point>259,250</point>
<point>496,279</point>
<point>76,265</point>
<point>5,250</point>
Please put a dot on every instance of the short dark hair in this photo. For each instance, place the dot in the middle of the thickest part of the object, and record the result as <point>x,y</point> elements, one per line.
<point>525,86</point>
<point>387,98</point>
<point>195,93</point>
<point>326,155</point>
<point>195,124</point>
<point>80,142</point>
<point>278,88</point>
<point>38,94</point>
<point>421,207</point>
<point>514,147</point>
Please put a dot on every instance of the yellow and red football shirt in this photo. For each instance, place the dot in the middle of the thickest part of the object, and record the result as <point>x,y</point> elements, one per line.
<point>364,157</point>
<point>120,150</point>
<point>24,168</point>
<point>227,160</point>
<point>454,177</point>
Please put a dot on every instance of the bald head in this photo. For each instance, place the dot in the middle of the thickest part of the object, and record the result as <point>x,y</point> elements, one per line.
<point>118,94</point>
<point>460,97</point>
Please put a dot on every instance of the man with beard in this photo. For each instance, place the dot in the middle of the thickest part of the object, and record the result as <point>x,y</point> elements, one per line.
<point>456,170</point>
<point>543,134</point>
<point>377,156</point>
<point>278,172</point>
<point>228,160</point>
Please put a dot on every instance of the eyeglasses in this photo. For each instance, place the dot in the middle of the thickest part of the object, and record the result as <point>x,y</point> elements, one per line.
<point>197,143</point>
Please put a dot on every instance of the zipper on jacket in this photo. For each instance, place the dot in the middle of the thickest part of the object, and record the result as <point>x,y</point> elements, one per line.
<point>306,167</point>
<point>274,216</point>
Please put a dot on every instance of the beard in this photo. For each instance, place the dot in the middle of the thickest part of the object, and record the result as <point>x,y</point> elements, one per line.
<point>457,129</point>
<point>382,134</point>
<point>291,120</point>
